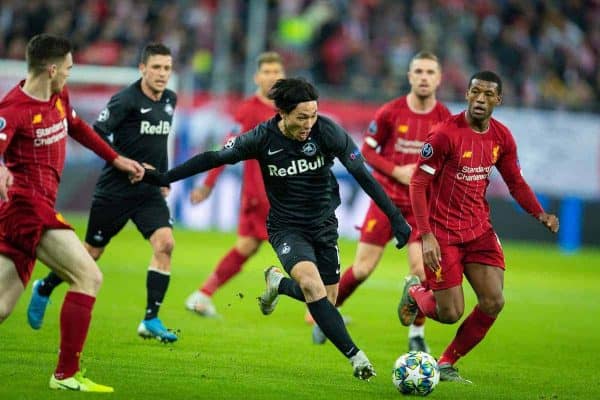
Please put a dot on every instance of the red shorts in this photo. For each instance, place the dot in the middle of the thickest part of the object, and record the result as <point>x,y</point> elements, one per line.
<point>486,250</point>
<point>377,230</point>
<point>22,225</point>
<point>253,220</point>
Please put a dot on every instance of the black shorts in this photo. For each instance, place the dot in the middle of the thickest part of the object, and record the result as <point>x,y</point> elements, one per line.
<point>108,216</point>
<point>317,244</point>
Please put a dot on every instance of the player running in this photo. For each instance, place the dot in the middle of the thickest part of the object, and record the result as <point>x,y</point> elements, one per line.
<point>137,121</point>
<point>295,151</point>
<point>448,199</point>
<point>35,118</point>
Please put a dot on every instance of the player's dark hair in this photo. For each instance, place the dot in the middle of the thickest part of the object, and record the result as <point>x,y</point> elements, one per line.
<point>269,57</point>
<point>487,76</point>
<point>288,93</point>
<point>45,49</point>
<point>152,49</point>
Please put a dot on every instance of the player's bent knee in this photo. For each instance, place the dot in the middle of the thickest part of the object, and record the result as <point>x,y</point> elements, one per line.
<point>449,315</point>
<point>362,271</point>
<point>165,246</point>
<point>492,306</point>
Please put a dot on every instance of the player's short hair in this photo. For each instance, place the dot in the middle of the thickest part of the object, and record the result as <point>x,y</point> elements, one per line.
<point>425,55</point>
<point>288,93</point>
<point>44,49</point>
<point>269,57</point>
<point>488,76</point>
<point>152,49</point>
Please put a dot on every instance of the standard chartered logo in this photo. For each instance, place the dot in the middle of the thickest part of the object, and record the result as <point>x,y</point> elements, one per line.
<point>297,167</point>
<point>162,128</point>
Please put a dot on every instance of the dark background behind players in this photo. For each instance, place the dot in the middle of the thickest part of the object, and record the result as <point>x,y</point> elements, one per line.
<point>547,51</point>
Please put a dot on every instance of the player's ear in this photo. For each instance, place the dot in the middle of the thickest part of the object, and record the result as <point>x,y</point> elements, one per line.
<point>52,69</point>
<point>499,99</point>
<point>142,67</point>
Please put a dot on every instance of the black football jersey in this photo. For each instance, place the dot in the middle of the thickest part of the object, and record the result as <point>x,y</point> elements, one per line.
<point>138,127</point>
<point>300,185</point>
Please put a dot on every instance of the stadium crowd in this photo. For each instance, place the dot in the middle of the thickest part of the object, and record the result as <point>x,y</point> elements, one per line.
<point>547,51</point>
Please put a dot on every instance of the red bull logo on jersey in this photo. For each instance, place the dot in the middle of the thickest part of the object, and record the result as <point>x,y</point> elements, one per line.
<point>162,128</point>
<point>474,173</point>
<point>50,135</point>
<point>297,167</point>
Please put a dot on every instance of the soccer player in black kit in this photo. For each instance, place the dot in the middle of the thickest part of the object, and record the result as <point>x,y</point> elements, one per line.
<point>296,150</point>
<point>137,121</point>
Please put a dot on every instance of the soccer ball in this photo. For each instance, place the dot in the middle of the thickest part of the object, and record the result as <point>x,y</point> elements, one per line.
<point>415,372</point>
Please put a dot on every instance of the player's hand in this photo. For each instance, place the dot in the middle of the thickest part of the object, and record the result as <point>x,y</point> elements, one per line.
<point>200,194</point>
<point>6,180</point>
<point>403,173</point>
<point>140,178</point>
<point>164,191</point>
<point>432,254</point>
<point>550,221</point>
<point>402,232</point>
<point>131,167</point>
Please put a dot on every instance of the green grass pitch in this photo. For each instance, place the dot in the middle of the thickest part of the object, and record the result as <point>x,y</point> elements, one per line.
<point>544,346</point>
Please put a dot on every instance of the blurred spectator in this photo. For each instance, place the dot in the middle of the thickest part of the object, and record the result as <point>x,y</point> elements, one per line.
<point>547,51</point>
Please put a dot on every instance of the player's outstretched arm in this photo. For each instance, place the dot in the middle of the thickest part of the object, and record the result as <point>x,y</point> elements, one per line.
<point>354,164</point>
<point>200,193</point>
<point>550,221</point>
<point>133,168</point>
<point>6,180</point>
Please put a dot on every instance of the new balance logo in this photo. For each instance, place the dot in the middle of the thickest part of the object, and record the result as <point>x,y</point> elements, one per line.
<point>145,110</point>
<point>269,152</point>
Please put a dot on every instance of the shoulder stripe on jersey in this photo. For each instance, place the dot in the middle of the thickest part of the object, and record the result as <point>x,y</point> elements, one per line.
<point>428,169</point>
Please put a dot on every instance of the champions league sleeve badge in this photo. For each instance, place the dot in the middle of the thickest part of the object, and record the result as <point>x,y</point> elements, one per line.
<point>230,143</point>
<point>426,151</point>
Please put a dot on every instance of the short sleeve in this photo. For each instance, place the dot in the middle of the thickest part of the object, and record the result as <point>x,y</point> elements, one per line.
<point>113,114</point>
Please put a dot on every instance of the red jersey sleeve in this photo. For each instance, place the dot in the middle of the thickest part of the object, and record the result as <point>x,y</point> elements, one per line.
<point>509,168</point>
<point>377,134</point>
<point>8,127</point>
<point>432,157</point>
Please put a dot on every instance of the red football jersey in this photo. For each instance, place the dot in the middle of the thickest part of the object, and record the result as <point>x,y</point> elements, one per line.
<point>399,133</point>
<point>455,164</point>
<point>33,137</point>
<point>252,112</point>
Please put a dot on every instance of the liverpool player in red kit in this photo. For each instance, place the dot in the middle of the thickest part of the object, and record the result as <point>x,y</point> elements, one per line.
<point>252,230</point>
<point>391,146</point>
<point>453,173</point>
<point>35,119</point>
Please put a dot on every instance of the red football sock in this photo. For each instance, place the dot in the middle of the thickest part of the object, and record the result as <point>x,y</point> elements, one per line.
<point>470,332</point>
<point>75,317</point>
<point>348,284</point>
<point>425,300</point>
<point>227,268</point>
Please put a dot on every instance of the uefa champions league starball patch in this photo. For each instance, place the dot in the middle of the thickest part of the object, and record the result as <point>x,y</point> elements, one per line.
<point>426,151</point>
<point>230,143</point>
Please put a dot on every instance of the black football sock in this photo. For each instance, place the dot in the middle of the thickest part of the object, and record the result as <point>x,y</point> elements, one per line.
<point>290,287</point>
<point>156,287</point>
<point>48,284</point>
<point>332,324</point>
